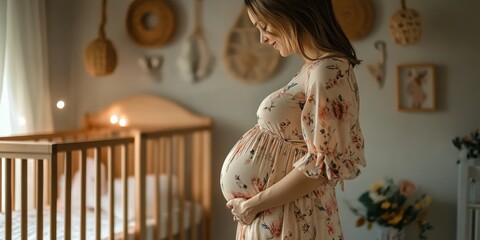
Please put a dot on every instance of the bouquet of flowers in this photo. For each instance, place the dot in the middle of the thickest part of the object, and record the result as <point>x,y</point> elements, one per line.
<point>469,143</point>
<point>387,204</point>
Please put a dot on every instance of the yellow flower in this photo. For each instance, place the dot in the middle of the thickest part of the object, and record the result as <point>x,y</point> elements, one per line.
<point>385,205</point>
<point>423,202</point>
<point>397,218</point>
<point>376,186</point>
<point>427,200</point>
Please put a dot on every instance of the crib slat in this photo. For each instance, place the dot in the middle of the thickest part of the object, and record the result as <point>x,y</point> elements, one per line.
<point>111,190</point>
<point>181,185</point>
<point>83,192</point>
<point>40,199</point>
<point>8,198</point>
<point>140,149</point>
<point>201,145</point>
<point>196,151</point>
<point>161,166</point>
<point>155,164</point>
<point>68,195</point>
<point>53,197</point>
<point>1,184</point>
<point>14,185</point>
<point>98,212</point>
<point>46,180</point>
<point>124,158</point>
<point>168,152</point>
<point>206,178</point>
<point>23,198</point>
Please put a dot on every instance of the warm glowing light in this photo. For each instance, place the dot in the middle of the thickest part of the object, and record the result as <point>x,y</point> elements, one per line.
<point>22,121</point>
<point>114,119</point>
<point>122,122</point>
<point>60,104</point>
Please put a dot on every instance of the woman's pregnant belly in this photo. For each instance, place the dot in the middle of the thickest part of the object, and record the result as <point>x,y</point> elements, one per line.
<point>257,161</point>
<point>246,169</point>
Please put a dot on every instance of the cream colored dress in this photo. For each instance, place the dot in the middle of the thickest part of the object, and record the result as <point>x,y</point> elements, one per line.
<point>312,125</point>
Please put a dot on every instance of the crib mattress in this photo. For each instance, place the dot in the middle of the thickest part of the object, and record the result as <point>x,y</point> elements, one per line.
<point>90,221</point>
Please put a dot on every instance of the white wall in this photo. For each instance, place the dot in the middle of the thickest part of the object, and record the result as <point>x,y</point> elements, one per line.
<point>416,146</point>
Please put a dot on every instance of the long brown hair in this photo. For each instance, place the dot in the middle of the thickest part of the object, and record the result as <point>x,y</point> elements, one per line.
<point>305,20</point>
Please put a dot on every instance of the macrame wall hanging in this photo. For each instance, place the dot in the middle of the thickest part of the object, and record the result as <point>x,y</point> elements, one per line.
<point>405,26</point>
<point>246,58</point>
<point>100,57</point>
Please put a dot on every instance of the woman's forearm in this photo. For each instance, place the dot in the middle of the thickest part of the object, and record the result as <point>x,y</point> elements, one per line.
<point>293,186</point>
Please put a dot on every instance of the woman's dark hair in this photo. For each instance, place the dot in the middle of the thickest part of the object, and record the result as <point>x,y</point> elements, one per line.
<point>304,20</point>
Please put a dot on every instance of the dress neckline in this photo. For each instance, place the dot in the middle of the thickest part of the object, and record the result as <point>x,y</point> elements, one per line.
<point>304,67</point>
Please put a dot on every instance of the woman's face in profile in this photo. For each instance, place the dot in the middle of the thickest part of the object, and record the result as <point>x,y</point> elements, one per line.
<point>270,35</point>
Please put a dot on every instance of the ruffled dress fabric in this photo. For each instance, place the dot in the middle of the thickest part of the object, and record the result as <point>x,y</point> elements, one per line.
<point>312,125</point>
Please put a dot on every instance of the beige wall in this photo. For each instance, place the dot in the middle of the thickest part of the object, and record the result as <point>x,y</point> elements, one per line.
<point>416,146</point>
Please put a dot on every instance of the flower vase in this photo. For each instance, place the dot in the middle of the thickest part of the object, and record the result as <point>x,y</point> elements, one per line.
<point>390,233</point>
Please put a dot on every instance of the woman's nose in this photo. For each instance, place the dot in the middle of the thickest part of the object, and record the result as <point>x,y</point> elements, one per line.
<point>263,38</point>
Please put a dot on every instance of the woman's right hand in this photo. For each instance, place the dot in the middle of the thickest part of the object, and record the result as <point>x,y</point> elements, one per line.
<point>240,211</point>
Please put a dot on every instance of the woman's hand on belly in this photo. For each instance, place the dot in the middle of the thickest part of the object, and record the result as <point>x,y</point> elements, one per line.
<point>240,212</point>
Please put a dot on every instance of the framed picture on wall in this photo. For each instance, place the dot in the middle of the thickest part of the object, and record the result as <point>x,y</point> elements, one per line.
<point>416,87</point>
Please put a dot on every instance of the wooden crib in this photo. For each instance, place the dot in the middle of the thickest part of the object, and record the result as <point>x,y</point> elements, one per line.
<point>160,147</point>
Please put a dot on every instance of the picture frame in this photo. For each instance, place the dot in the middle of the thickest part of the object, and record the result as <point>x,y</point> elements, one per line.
<point>416,87</point>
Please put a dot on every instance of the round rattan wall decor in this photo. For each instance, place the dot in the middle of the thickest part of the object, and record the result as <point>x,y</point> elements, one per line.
<point>355,16</point>
<point>150,23</point>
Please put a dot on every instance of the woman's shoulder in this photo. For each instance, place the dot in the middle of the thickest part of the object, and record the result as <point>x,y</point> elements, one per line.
<point>331,63</point>
<point>328,66</point>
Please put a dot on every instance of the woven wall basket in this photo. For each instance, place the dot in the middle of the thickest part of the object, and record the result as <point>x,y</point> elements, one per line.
<point>150,36</point>
<point>100,57</point>
<point>405,26</point>
<point>354,16</point>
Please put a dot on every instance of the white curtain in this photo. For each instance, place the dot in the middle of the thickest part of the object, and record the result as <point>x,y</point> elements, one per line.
<point>24,83</point>
<point>4,116</point>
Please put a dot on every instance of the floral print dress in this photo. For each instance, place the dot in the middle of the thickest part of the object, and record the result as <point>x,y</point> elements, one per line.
<point>312,125</point>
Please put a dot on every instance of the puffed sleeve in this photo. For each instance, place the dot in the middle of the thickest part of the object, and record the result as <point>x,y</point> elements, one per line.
<point>330,125</point>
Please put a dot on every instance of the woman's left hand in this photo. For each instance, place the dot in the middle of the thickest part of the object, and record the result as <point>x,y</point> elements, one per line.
<point>241,212</point>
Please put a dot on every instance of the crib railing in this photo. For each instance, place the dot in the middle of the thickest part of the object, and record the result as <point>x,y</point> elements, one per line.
<point>184,153</point>
<point>50,154</point>
<point>9,151</point>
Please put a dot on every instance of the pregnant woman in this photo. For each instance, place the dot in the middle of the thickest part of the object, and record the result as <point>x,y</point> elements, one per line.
<point>279,179</point>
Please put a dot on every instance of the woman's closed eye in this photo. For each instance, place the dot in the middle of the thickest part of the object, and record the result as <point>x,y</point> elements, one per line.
<point>264,29</point>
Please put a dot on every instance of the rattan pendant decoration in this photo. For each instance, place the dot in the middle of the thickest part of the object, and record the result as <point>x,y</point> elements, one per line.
<point>100,56</point>
<point>405,26</point>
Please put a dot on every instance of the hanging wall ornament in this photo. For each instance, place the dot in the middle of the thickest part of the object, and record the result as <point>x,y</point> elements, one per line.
<point>150,23</point>
<point>378,70</point>
<point>405,26</point>
<point>245,57</point>
<point>195,60</point>
<point>100,57</point>
<point>355,17</point>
